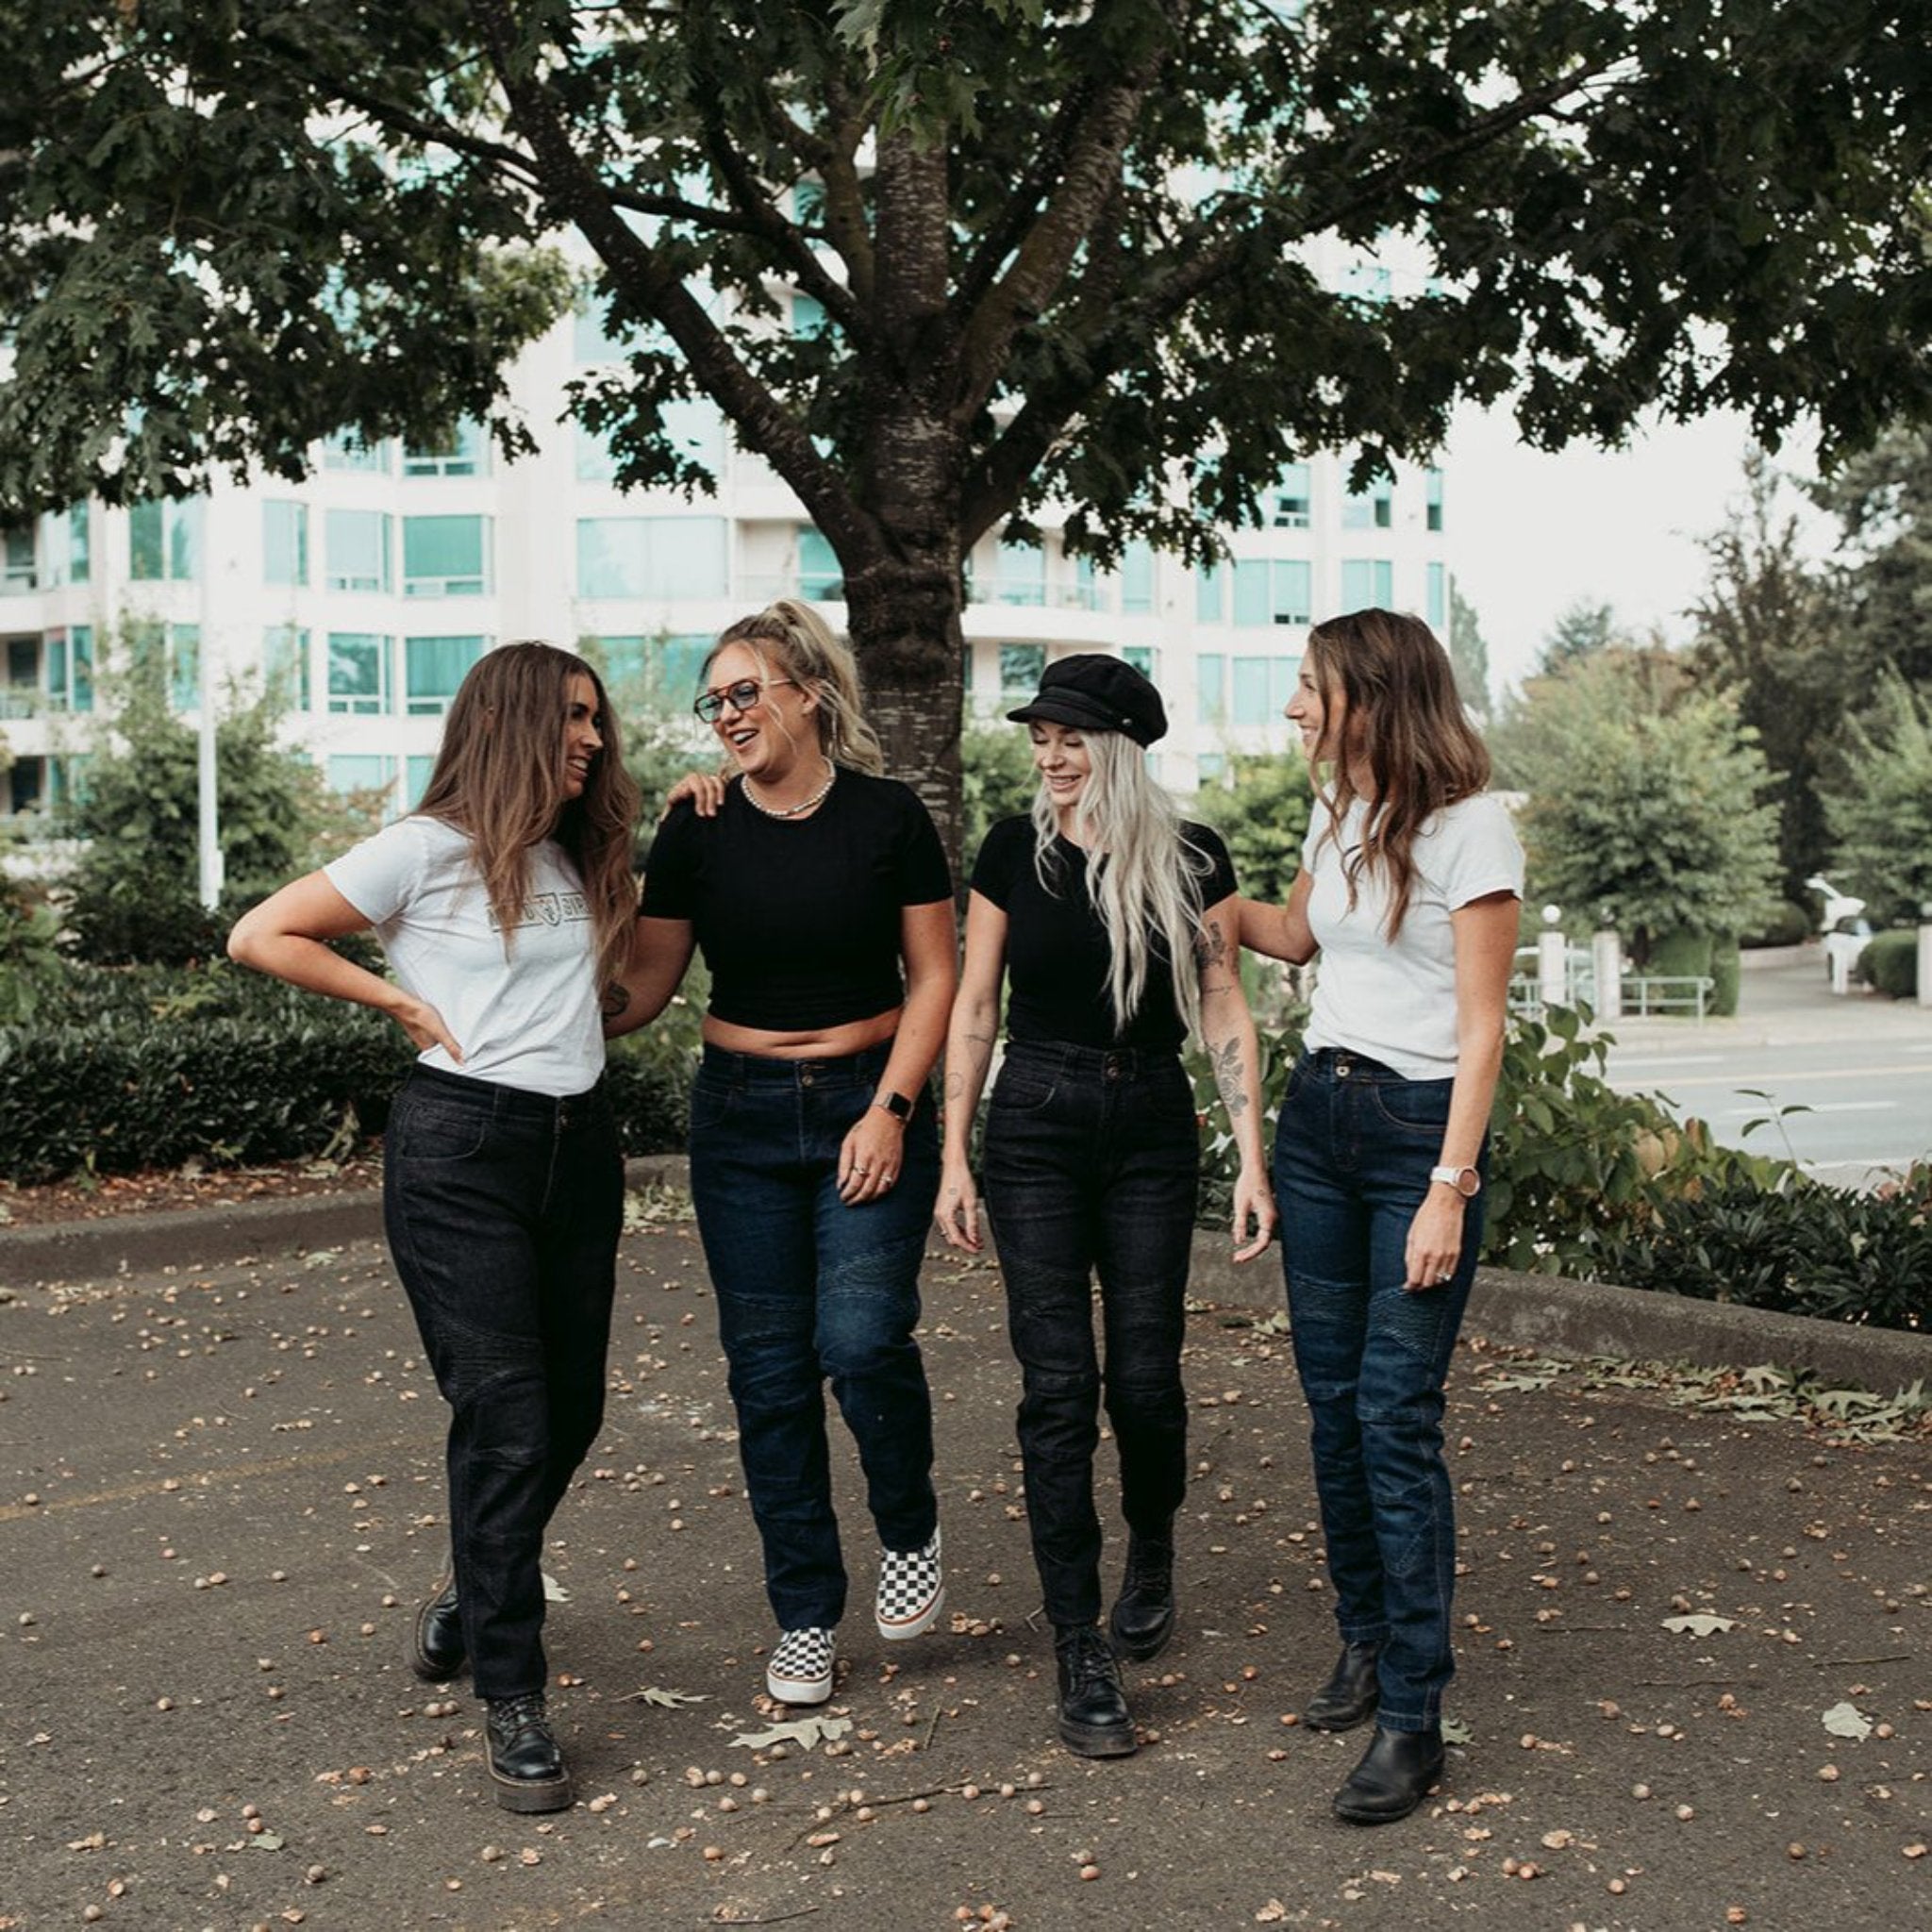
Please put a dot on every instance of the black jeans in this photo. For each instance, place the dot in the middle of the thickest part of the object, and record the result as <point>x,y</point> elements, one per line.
<point>811,1289</point>
<point>1092,1159</point>
<point>503,1210</point>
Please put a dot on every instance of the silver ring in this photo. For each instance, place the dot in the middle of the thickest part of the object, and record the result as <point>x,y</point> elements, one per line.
<point>861,1172</point>
<point>1450,1277</point>
<point>888,1175</point>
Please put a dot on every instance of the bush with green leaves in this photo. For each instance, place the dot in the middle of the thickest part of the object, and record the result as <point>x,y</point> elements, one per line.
<point>1891,962</point>
<point>1262,808</point>
<point>1879,804</point>
<point>1790,925</point>
<point>30,969</point>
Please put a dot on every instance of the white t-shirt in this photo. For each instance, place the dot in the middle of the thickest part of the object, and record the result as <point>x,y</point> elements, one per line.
<point>1396,1003</point>
<point>528,1018</point>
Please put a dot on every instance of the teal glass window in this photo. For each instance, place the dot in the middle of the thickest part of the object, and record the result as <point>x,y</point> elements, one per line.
<point>164,540</point>
<point>1211,766</point>
<point>432,668</point>
<point>1368,583</point>
<point>808,316</point>
<point>357,544</point>
<point>284,542</point>
<point>19,566</point>
<point>1433,499</point>
<point>417,770</point>
<point>184,666</point>
<point>1210,687</point>
<point>1022,577</point>
<point>1436,596</point>
<point>818,575</point>
<point>364,772</point>
<point>358,671</point>
<point>659,557</point>
<point>446,557</point>
<point>1373,508</point>
<point>463,451</point>
<point>1293,497</point>
<point>1021,666</point>
<point>346,451</point>
<point>1211,594</point>
<point>1141,656</point>
<point>1137,577</point>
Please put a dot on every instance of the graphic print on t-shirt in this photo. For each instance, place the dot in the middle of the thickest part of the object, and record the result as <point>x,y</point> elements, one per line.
<point>548,908</point>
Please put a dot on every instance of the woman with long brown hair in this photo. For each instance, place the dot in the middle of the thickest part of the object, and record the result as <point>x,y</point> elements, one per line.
<point>1410,881</point>
<point>504,904</point>
<point>819,891</point>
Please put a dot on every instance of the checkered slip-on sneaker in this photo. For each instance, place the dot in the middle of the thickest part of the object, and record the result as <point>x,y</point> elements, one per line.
<point>912,1591</point>
<point>801,1667</point>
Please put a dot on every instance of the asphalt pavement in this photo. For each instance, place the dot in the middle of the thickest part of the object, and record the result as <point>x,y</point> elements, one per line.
<point>1694,1685</point>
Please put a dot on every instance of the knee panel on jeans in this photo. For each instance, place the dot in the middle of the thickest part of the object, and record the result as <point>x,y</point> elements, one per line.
<point>868,1306</point>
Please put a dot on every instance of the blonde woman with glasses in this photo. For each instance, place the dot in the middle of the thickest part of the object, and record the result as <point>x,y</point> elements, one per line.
<point>504,901</point>
<point>819,893</point>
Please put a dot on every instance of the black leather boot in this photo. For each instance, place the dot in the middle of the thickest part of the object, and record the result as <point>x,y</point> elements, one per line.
<point>1350,1693</point>
<point>437,1650</point>
<point>1393,1778</point>
<point>1094,1720</point>
<point>526,1761</point>
<point>1142,1619</point>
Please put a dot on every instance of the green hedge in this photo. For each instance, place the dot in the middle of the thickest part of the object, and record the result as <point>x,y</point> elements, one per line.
<point>151,1067</point>
<point>1891,962</point>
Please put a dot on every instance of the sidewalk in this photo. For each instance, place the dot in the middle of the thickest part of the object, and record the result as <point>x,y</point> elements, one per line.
<point>220,1494</point>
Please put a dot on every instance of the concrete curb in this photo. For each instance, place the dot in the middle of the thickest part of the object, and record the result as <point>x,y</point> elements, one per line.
<point>1541,1311</point>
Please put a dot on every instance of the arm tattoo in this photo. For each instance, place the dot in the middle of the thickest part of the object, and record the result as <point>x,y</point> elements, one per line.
<point>1226,1058</point>
<point>1210,947</point>
<point>616,997</point>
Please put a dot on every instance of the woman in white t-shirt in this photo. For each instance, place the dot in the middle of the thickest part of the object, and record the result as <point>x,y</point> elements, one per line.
<point>1410,881</point>
<point>504,905</point>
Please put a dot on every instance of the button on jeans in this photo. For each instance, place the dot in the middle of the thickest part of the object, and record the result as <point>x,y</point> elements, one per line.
<point>808,1290</point>
<point>1352,1159</point>
<point>1090,1165</point>
<point>503,1210</point>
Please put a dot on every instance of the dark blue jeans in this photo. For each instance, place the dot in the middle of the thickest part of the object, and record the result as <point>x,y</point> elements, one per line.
<point>1091,1164</point>
<point>503,1210</point>
<point>1352,1159</point>
<point>811,1290</point>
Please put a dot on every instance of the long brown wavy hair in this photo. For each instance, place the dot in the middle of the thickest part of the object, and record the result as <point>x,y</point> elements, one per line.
<point>1404,726</point>
<point>499,779</point>
<point>806,648</point>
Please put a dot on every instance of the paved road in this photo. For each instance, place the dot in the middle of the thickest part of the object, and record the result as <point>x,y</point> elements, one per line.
<point>1841,1083</point>
<point>220,1494</point>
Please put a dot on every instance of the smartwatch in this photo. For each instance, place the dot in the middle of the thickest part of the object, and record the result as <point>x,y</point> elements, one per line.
<point>897,1104</point>
<point>1465,1180</point>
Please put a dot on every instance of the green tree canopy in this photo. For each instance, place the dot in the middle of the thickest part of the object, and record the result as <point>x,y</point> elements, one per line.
<point>1647,806</point>
<point>1469,653</point>
<point>1879,804</point>
<point>1042,250</point>
<point>1882,498</point>
<point>1262,811</point>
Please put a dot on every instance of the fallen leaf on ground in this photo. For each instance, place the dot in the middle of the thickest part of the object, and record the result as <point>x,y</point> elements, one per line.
<point>1702,1625</point>
<point>1848,1720</point>
<point>806,1732</point>
<point>665,1700</point>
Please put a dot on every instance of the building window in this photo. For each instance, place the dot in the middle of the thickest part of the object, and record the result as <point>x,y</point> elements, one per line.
<point>1433,501</point>
<point>1212,767</point>
<point>1263,687</point>
<point>819,576</point>
<point>1022,577</point>
<point>1210,687</point>
<point>346,450</point>
<point>1368,585</point>
<point>70,669</point>
<point>364,772</point>
<point>808,316</point>
<point>1280,591</point>
<point>285,542</point>
<point>164,540</point>
<point>19,572</point>
<point>358,550</point>
<point>79,544</point>
<point>808,204</point>
<point>1436,595</point>
<point>1021,666</point>
<point>285,665</point>
<point>1141,656</point>
<point>659,557</point>
<point>1137,577</point>
<point>446,557</point>
<point>1211,594</point>
<point>358,671</point>
<point>418,768</point>
<point>461,452</point>
<point>181,662</point>
<point>1373,508</point>
<point>63,548</point>
<point>432,668</point>
<point>1086,592</point>
<point>595,464</point>
<point>1293,497</point>
<point>666,668</point>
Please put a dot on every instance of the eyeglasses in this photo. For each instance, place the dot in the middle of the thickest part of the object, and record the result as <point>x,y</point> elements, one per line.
<point>742,696</point>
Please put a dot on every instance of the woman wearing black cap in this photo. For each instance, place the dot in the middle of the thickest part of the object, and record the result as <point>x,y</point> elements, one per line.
<point>1093,1144</point>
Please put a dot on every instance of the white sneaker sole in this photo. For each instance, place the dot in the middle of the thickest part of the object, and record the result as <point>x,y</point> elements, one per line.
<point>913,1627</point>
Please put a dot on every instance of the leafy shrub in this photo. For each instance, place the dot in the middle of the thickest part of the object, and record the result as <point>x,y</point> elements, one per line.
<point>1890,963</point>
<point>1725,973</point>
<point>30,970</point>
<point>1788,926</point>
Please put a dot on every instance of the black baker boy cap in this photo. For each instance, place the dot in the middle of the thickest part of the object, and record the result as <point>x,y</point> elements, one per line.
<point>1093,692</point>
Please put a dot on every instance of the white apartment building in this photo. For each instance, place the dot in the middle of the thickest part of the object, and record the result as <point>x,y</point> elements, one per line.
<point>371,588</point>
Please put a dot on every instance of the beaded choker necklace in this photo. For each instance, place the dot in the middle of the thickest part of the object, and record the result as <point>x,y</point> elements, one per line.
<point>804,805</point>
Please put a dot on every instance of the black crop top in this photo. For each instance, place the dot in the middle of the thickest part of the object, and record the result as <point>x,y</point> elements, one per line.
<point>799,921</point>
<point>1057,950</point>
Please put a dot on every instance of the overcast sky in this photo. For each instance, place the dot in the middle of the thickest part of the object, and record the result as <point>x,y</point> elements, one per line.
<point>1530,534</point>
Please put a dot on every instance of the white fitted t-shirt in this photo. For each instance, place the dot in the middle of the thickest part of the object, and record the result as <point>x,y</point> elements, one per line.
<point>528,1018</point>
<point>1396,1003</point>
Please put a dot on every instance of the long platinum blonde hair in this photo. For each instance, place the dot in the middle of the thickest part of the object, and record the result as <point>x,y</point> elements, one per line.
<point>804,647</point>
<point>1143,877</point>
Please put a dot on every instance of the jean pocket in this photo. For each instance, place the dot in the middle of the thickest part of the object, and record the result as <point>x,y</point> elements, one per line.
<point>1413,1107</point>
<point>426,1132</point>
<point>710,1105</point>
<point>1020,1089</point>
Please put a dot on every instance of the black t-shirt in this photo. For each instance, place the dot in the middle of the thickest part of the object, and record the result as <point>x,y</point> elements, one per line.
<point>799,919</point>
<point>1057,950</point>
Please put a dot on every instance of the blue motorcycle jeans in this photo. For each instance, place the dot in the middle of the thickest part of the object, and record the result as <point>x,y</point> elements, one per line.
<point>1353,1152</point>
<point>1091,1162</point>
<point>809,1290</point>
<point>503,1210</point>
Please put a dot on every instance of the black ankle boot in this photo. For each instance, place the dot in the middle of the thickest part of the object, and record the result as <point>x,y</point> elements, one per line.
<point>526,1761</point>
<point>1350,1693</point>
<point>1392,1780</point>
<point>437,1653</point>
<point>1142,1619</point>
<point>1094,1720</point>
